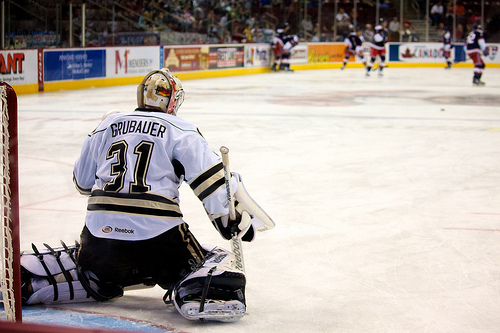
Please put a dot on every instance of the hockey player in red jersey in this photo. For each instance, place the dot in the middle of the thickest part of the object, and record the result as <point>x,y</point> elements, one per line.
<point>282,46</point>
<point>377,49</point>
<point>290,42</point>
<point>131,167</point>
<point>475,48</point>
<point>277,46</point>
<point>447,46</point>
<point>353,43</point>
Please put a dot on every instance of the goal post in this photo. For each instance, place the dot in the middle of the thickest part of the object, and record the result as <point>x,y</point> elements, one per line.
<point>10,256</point>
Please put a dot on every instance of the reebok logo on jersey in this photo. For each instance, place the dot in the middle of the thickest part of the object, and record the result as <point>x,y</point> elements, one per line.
<point>108,229</point>
<point>125,231</point>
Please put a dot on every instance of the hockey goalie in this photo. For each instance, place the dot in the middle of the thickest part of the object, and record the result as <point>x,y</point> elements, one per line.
<point>131,167</point>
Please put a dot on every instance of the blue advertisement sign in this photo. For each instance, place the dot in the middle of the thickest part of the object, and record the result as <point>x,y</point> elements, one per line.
<point>74,64</point>
<point>423,52</point>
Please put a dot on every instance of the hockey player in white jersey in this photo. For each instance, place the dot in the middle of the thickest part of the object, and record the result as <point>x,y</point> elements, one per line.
<point>131,167</point>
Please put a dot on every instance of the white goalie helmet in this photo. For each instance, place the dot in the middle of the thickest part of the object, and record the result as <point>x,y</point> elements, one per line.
<point>160,89</point>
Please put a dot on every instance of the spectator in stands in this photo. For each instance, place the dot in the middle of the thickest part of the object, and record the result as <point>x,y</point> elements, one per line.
<point>307,26</point>
<point>368,33</point>
<point>326,35</point>
<point>208,24</point>
<point>460,33</point>
<point>343,22</point>
<point>247,34</point>
<point>159,20</point>
<point>315,37</point>
<point>258,36</point>
<point>342,16</point>
<point>460,13</point>
<point>409,31</point>
<point>394,27</point>
<point>225,22</point>
<point>437,13</point>
<point>188,19</point>
<point>142,21</point>
<point>475,18</point>
<point>384,8</point>
<point>227,37</point>
<point>448,16</point>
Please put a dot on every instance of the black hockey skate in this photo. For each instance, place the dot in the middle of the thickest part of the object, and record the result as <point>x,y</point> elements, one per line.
<point>477,82</point>
<point>213,292</point>
<point>213,297</point>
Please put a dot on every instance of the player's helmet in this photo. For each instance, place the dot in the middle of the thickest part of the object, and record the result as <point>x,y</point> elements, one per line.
<point>283,28</point>
<point>160,89</point>
<point>476,26</point>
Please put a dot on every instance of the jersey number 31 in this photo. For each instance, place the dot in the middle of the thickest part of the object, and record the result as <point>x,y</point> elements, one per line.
<point>118,169</point>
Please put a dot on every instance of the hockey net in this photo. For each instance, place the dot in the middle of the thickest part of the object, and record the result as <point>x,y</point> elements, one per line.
<point>10,284</point>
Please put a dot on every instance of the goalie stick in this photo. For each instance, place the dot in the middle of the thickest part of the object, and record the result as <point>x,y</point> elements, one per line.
<point>236,246</point>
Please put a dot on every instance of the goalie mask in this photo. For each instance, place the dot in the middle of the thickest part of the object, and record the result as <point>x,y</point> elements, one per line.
<point>160,89</point>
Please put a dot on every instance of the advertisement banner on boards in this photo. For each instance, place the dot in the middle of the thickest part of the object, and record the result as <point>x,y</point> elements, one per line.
<point>299,54</point>
<point>132,61</point>
<point>74,64</point>
<point>226,57</point>
<point>493,55</point>
<point>182,58</point>
<point>19,67</point>
<point>326,52</point>
<point>419,52</point>
<point>257,55</point>
<point>433,52</point>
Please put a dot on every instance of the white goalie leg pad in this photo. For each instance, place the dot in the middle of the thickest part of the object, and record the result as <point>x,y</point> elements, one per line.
<point>34,262</point>
<point>214,292</point>
<point>45,292</point>
<point>50,276</point>
<point>258,217</point>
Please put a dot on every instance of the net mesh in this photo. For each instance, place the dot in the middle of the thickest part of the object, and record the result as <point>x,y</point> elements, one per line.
<point>7,310</point>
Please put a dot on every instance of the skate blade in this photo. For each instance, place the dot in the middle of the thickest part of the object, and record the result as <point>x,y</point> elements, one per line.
<point>223,311</point>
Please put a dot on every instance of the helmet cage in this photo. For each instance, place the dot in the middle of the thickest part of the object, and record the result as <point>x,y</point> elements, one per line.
<point>160,89</point>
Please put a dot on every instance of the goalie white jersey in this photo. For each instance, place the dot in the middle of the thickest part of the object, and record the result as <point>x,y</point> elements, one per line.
<point>132,165</point>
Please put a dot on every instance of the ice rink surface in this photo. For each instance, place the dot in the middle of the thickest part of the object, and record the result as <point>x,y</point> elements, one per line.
<point>385,192</point>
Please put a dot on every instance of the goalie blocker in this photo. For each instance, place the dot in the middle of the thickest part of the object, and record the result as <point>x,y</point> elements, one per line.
<point>213,291</point>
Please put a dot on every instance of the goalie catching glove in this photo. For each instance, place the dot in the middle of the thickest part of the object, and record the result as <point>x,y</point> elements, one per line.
<point>241,226</point>
<point>249,216</point>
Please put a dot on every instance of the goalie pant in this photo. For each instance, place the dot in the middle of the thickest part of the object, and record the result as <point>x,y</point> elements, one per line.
<point>214,291</point>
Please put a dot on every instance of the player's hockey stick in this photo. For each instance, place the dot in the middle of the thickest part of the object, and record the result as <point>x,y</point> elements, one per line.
<point>236,245</point>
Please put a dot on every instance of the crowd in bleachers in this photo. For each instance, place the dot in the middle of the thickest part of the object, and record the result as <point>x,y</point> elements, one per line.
<point>467,13</point>
<point>231,21</point>
<point>221,21</point>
